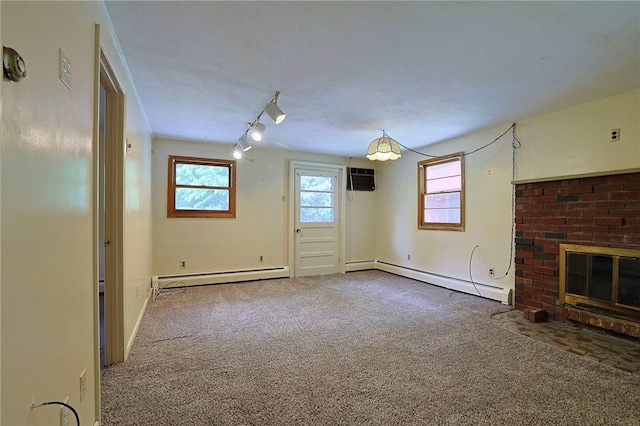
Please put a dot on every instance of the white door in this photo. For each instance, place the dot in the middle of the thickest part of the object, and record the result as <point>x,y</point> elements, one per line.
<point>317,215</point>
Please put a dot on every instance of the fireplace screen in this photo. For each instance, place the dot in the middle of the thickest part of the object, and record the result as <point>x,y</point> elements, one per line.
<point>601,278</point>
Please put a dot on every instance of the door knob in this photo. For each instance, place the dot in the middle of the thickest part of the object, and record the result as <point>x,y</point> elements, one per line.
<point>298,230</point>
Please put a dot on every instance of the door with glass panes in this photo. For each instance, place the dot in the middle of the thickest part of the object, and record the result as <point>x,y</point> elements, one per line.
<point>316,222</point>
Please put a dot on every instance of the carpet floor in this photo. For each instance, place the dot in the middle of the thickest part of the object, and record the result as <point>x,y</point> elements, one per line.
<point>359,348</point>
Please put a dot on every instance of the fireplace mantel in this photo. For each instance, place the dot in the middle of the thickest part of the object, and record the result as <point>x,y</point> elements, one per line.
<point>577,176</point>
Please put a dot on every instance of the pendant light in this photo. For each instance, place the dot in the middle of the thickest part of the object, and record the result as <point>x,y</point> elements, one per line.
<point>383,148</point>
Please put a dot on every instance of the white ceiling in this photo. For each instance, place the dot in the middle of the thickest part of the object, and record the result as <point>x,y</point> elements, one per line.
<point>423,71</point>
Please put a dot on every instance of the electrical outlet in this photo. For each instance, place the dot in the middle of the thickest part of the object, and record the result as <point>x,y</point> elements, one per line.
<point>83,384</point>
<point>137,290</point>
<point>492,272</point>
<point>614,135</point>
<point>64,414</point>
<point>408,257</point>
<point>261,258</point>
<point>183,263</point>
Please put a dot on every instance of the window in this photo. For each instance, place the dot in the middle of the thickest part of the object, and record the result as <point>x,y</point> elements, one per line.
<point>441,193</point>
<point>317,199</point>
<point>201,187</point>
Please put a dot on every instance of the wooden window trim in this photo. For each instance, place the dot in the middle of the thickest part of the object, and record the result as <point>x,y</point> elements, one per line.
<point>171,188</point>
<point>421,192</point>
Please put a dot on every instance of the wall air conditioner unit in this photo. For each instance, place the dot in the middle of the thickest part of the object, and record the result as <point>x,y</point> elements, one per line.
<point>360,179</point>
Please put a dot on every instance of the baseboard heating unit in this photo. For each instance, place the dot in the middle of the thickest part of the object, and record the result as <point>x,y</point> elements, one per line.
<point>490,292</point>
<point>361,265</point>
<point>220,277</point>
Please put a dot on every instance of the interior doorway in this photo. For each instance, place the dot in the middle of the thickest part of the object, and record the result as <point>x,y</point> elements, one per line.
<point>102,116</point>
<point>110,181</point>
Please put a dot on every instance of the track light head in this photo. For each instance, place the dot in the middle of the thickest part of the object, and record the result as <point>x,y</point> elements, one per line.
<point>243,143</point>
<point>256,132</point>
<point>237,152</point>
<point>274,111</point>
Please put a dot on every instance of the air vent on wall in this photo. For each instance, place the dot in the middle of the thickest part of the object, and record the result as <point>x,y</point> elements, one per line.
<point>360,179</point>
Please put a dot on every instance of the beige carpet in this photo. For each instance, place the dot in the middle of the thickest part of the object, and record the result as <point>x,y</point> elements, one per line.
<point>361,348</point>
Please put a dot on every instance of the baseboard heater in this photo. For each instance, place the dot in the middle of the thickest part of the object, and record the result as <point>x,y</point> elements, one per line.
<point>490,292</point>
<point>360,265</point>
<point>220,277</point>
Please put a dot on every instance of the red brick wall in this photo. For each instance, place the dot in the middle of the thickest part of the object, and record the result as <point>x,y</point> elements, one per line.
<point>600,211</point>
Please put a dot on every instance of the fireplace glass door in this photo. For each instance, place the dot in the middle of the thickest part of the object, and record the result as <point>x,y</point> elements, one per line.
<point>601,278</point>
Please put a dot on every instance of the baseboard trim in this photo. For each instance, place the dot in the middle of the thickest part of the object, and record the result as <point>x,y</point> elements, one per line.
<point>490,292</point>
<point>132,338</point>
<point>221,277</point>
<point>362,265</point>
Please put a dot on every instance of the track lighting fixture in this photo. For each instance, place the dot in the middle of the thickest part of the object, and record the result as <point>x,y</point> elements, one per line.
<point>244,144</point>
<point>274,111</point>
<point>256,128</point>
<point>237,152</point>
<point>384,148</point>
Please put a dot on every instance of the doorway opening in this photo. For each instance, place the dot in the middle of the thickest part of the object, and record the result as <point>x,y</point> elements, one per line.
<point>110,211</point>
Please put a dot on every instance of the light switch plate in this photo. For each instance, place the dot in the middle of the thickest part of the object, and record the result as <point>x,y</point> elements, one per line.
<point>65,69</point>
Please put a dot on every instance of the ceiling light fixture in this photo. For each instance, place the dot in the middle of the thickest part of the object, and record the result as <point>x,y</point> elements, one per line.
<point>256,129</point>
<point>383,148</point>
<point>237,152</point>
<point>274,111</point>
<point>244,144</point>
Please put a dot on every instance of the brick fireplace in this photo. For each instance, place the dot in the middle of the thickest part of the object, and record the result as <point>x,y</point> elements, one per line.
<point>599,211</point>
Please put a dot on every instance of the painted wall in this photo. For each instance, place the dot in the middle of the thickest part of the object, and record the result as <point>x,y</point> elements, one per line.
<point>571,141</point>
<point>48,209</point>
<point>576,140</point>
<point>261,224</point>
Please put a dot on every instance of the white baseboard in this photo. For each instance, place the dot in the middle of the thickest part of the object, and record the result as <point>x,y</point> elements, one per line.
<point>362,265</point>
<point>137,327</point>
<point>490,292</point>
<point>180,280</point>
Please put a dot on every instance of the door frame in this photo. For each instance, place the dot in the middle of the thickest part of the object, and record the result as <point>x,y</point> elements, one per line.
<point>341,171</point>
<point>114,216</point>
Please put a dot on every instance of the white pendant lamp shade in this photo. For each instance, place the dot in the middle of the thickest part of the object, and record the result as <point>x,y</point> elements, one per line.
<point>274,111</point>
<point>257,132</point>
<point>383,149</point>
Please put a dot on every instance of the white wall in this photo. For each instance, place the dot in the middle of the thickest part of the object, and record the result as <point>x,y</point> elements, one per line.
<point>567,142</point>
<point>576,140</point>
<point>261,224</point>
<point>48,210</point>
